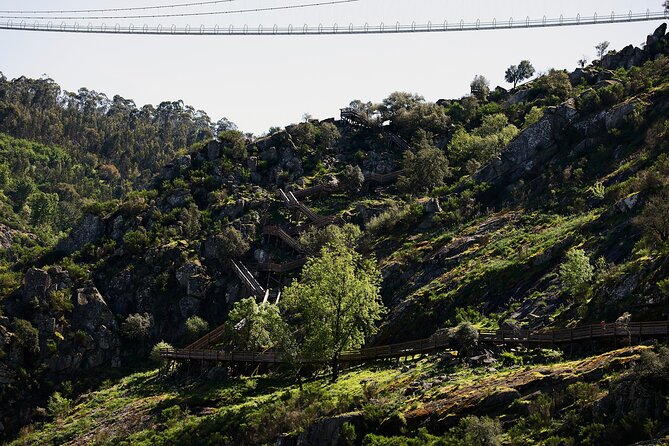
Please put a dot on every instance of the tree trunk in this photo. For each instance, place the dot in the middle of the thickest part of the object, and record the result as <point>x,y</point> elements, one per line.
<point>335,368</point>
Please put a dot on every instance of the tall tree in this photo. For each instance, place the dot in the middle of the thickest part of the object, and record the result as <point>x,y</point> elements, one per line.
<point>336,302</point>
<point>518,73</point>
<point>601,49</point>
<point>480,87</point>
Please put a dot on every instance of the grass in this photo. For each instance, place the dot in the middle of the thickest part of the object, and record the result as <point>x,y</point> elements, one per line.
<point>143,409</point>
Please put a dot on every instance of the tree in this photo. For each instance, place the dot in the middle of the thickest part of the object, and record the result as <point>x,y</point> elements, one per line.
<point>257,327</point>
<point>482,431</point>
<point>196,327</point>
<point>480,87</point>
<point>155,352</point>
<point>352,178</point>
<point>27,336</point>
<point>583,61</point>
<point>484,142</point>
<point>136,326</point>
<point>398,101</point>
<point>465,338</point>
<point>576,272</point>
<point>654,219</point>
<point>43,207</point>
<point>518,73</point>
<point>601,49</point>
<point>336,302</point>
<point>424,170</point>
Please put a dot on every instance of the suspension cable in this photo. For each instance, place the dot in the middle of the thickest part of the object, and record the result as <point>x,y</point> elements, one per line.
<point>186,14</point>
<point>136,8</point>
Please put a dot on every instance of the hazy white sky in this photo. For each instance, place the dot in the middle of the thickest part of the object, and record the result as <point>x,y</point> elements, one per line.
<point>264,81</point>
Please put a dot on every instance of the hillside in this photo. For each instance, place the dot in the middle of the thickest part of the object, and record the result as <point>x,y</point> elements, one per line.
<point>545,206</point>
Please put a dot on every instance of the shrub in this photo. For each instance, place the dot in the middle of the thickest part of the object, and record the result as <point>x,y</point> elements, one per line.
<point>348,436</point>
<point>27,336</point>
<point>352,178</point>
<point>394,217</point>
<point>136,241</point>
<point>425,170</point>
<point>576,272</point>
<point>465,338</point>
<point>155,352</point>
<point>484,142</point>
<point>541,410</point>
<point>136,326</point>
<point>313,239</point>
<point>533,116</point>
<point>196,327</point>
<point>231,243</point>
<point>654,219</point>
<point>482,431</point>
<point>583,394</point>
<point>57,405</point>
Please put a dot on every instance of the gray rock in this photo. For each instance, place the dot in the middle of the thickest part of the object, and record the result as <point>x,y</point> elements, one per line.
<point>189,305</point>
<point>628,203</point>
<point>531,149</point>
<point>261,256</point>
<point>90,229</point>
<point>213,151</point>
<point>193,278</point>
<point>432,206</point>
<point>36,283</point>
<point>252,163</point>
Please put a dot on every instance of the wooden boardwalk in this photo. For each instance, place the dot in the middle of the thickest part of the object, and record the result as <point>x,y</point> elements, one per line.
<point>633,332</point>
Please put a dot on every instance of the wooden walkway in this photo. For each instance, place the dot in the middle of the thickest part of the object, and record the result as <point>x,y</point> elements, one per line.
<point>634,332</point>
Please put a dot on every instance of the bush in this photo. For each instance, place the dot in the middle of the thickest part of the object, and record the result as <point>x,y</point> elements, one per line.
<point>465,338</point>
<point>576,272</point>
<point>155,352</point>
<point>196,327</point>
<point>136,241</point>
<point>231,243</point>
<point>654,220</point>
<point>484,142</point>
<point>313,239</point>
<point>583,394</point>
<point>27,336</point>
<point>425,170</point>
<point>136,326</point>
<point>57,405</point>
<point>352,178</point>
<point>394,217</point>
<point>348,436</point>
<point>482,431</point>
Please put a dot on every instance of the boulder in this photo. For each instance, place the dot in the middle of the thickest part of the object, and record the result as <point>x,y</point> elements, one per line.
<point>261,256</point>
<point>531,149</point>
<point>90,229</point>
<point>193,279</point>
<point>213,150</point>
<point>36,283</point>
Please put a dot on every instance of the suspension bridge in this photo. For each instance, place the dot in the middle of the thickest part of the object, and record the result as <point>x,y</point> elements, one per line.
<point>28,21</point>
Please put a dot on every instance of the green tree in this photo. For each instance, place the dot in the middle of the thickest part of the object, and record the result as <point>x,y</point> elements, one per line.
<point>155,352</point>
<point>482,431</point>
<point>480,87</point>
<point>518,73</point>
<point>576,271</point>
<point>484,142</point>
<point>352,178</point>
<point>196,327</point>
<point>27,336</point>
<point>43,207</point>
<point>654,219</point>
<point>136,326</point>
<point>257,327</point>
<point>337,302</point>
<point>424,170</point>
<point>533,116</point>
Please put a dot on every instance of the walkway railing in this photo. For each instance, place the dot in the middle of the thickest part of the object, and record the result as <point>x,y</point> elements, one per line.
<point>634,332</point>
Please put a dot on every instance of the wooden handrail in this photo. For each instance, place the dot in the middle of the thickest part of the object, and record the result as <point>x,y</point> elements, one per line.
<point>538,338</point>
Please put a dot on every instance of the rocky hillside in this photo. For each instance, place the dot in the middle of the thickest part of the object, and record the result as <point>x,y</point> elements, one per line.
<point>476,209</point>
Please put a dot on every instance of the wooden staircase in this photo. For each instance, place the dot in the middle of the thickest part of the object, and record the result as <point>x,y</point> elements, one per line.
<point>354,117</point>
<point>249,281</point>
<point>280,233</point>
<point>293,203</point>
<point>207,340</point>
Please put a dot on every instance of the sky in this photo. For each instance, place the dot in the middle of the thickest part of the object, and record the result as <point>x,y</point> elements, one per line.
<point>263,81</point>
